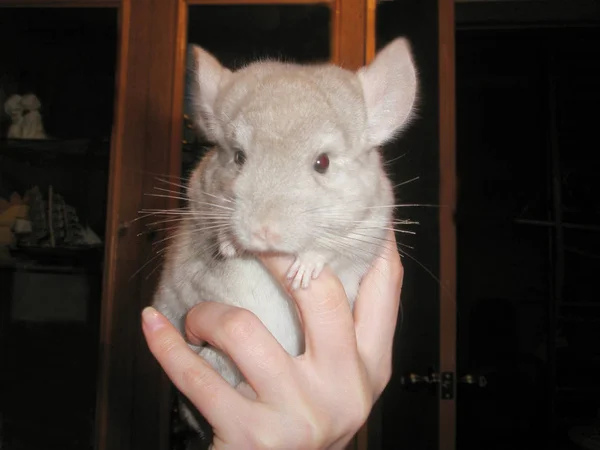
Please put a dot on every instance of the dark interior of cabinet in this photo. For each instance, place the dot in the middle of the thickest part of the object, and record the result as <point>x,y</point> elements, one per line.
<point>528,230</point>
<point>50,284</point>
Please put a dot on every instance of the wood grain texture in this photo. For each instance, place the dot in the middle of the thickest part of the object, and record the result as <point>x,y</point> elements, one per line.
<point>151,405</point>
<point>60,3</point>
<point>120,321</point>
<point>371,31</point>
<point>447,103</point>
<point>349,28</point>
<point>257,2</point>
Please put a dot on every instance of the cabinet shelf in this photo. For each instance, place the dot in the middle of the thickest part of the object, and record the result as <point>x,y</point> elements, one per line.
<point>34,256</point>
<point>54,151</point>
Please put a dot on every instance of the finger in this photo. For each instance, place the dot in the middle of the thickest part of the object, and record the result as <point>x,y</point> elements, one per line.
<point>376,312</point>
<point>241,335</point>
<point>216,400</point>
<point>324,312</point>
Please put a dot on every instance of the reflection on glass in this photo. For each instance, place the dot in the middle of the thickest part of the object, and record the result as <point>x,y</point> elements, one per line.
<point>57,80</point>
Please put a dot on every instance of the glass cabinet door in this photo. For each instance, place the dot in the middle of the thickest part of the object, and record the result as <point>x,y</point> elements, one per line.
<point>57,86</point>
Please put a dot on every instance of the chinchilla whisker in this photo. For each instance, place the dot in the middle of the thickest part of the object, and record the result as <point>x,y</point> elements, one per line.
<point>404,253</point>
<point>194,215</point>
<point>158,222</point>
<point>405,182</point>
<point>390,161</point>
<point>179,219</point>
<point>172,183</point>
<point>150,212</point>
<point>397,230</point>
<point>227,199</point>
<point>380,238</point>
<point>334,238</point>
<point>223,226</point>
<point>179,193</point>
<point>219,215</point>
<point>171,236</point>
<point>191,232</point>
<point>172,191</point>
<point>175,197</point>
<point>340,239</point>
<point>336,245</point>
<point>182,186</point>
<point>182,208</point>
<point>153,271</point>
<point>157,254</point>
<point>165,175</point>
<point>143,266</point>
<point>384,239</point>
<point>333,206</point>
<point>373,221</point>
<point>191,213</point>
<point>364,241</point>
<point>344,214</point>
<point>343,248</point>
<point>143,216</point>
<point>401,205</point>
<point>211,225</point>
<point>175,227</point>
<point>377,226</point>
<point>154,212</point>
<point>167,213</point>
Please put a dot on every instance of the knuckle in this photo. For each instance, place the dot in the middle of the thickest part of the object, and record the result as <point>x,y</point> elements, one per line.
<point>333,295</point>
<point>238,323</point>
<point>192,377</point>
<point>194,380</point>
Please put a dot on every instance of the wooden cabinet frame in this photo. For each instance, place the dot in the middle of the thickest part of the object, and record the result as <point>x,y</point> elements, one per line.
<point>447,196</point>
<point>132,408</point>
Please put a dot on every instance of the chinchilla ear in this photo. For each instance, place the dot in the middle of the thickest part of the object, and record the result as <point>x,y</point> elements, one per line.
<point>208,77</point>
<point>389,85</point>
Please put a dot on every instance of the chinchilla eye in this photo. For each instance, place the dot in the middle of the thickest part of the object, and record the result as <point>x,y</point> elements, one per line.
<point>239,157</point>
<point>321,163</point>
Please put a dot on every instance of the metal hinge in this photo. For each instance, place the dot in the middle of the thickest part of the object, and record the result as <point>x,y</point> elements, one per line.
<point>447,386</point>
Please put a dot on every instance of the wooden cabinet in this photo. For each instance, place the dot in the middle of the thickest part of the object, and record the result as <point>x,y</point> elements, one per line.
<point>144,141</point>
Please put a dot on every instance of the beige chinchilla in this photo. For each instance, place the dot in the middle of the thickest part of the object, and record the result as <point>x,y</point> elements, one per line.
<point>295,169</point>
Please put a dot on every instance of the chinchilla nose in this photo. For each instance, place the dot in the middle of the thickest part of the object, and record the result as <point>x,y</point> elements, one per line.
<point>266,234</point>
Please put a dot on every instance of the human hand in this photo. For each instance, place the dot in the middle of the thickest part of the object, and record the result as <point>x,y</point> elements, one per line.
<point>317,400</point>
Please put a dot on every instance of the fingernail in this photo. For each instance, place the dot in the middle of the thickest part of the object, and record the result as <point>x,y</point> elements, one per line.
<point>152,320</point>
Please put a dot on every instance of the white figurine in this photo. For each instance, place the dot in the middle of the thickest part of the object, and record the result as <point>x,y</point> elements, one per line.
<point>33,127</point>
<point>14,109</point>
